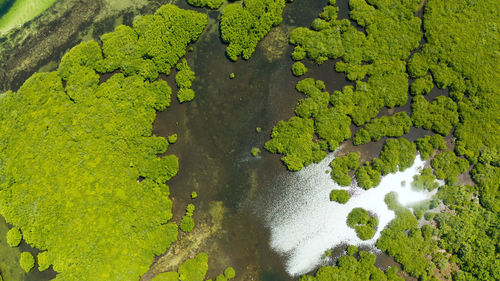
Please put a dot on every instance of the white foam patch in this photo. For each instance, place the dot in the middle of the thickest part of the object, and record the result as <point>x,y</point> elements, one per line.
<point>304,223</point>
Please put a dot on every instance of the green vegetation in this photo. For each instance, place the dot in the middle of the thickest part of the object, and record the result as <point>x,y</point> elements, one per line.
<point>43,260</point>
<point>342,165</point>
<point>172,138</point>
<point>255,151</point>
<point>14,237</point>
<point>84,145</point>
<point>487,178</point>
<point>351,268</point>
<point>194,195</point>
<point>448,166</point>
<point>232,75</point>
<point>425,181</point>
<point>408,244</point>
<point>185,95</point>
<point>397,154</point>
<point>20,12</point>
<point>191,270</point>
<point>364,223</point>
<point>154,44</point>
<point>185,76</point>
<point>27,261</point>
<point>340,196</point>
<point>299,69</point>
<point>245,23</point>
<point>295,138</point>
<point>470,234</point>
<point>385,126</point>
<point>441,115</point>
<point>187,221</point>
<point>367,177</point>
<point>427,144</point>
<point>212,4</point>
<point>422,85</point>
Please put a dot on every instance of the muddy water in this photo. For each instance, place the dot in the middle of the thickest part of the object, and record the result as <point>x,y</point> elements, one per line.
<point>216,133</point>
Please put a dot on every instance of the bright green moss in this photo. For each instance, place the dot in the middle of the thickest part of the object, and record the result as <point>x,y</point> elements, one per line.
<point>43,261</point>
<point>194,195</point>
<point>27,261</point>
<point>14,237</point>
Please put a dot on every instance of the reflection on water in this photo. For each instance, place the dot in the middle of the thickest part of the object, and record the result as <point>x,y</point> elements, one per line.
<point>304,223</point>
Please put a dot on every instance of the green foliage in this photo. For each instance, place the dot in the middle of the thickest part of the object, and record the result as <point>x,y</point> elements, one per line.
<point>350,268</point>
<point>185,95</point>
<point>441,115</point>
<point>232,75</point>
<point>43,260</point>
<point>229,273</point>
<point>422,85</point>
<point>396,154</point>
<point>27,261</point>
<point>427,144</point>
<point>212,4</point>
<point>340,196</point>
<point>448,166</point>
<point>299,69</point>
<point>194,269</point>
<point>154,44</point>
<point>185,76</point>
<point>14,237</point>
<point>342,165</point>
<point>477,134</point>
<point>425,181</point>
<point>367,177</point>
<point>364,224</point>
<point>187,221</point>
<point>166,276</point>
<point>255,151</point>
<point>244,24</point>
<point>408,244</point>
<point>385,126</point>
<point>194,195</point>
<point>294,139</point>
<point>172,138</point>
<point>85,146</point>
<point>470,233</point>
<point>487,178</point>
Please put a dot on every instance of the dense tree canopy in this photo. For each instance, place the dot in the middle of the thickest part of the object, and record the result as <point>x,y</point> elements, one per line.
<point>212,4</point>
<point>243,24</point>
<point>351,268</point>
<point>86,145</point>
<point>385,126</point>
<point>341,167</point>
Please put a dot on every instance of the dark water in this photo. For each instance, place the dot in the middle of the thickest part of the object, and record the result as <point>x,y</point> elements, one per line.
<point>216,132</point>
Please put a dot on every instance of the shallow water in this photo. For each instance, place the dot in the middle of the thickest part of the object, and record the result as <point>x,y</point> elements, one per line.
<point>216,133</point>
<point>304,223</point>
